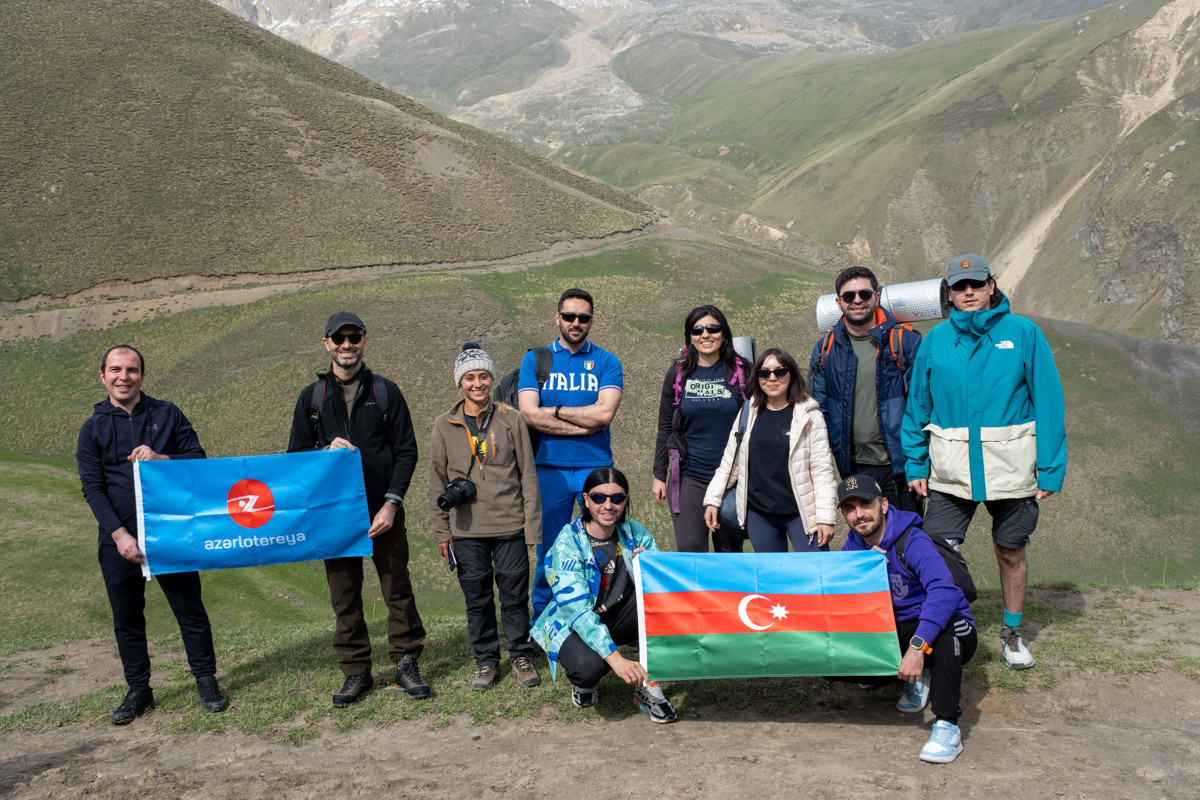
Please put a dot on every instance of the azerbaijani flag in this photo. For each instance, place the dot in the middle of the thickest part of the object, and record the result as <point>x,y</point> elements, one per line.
<point>219,513</point>
<point>723,615</point>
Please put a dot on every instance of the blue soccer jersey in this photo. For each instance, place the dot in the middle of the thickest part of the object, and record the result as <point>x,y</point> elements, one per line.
<point>576,379</point>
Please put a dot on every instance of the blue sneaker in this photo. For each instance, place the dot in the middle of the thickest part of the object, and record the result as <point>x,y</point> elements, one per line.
<point>944,745</point>
<point>916,695</point>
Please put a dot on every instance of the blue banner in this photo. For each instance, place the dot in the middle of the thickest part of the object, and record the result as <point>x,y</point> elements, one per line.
<point>218,513</point>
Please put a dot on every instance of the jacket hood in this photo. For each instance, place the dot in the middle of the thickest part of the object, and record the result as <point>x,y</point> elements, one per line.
<point>978,323</point>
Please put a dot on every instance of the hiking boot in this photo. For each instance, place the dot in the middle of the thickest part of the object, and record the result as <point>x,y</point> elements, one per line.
<point>524,672</point>
<point>584,698</point>
<point>136,703</point>
<point>354,689</point>
<point>408,677</point>
<point>1016,654</point>
<point>944,745</point>
<point>916,695</point>
<point>210,694</point>
<point>485,678</point>
<point>650,698</point>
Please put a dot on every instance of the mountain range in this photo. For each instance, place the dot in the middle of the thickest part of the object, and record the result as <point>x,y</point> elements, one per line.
<point>1052,137</point>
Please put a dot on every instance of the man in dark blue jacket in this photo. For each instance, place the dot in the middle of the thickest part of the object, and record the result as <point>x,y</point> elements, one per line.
<point>126,427</point>
<point>933,618</point>
<point>858,374</point>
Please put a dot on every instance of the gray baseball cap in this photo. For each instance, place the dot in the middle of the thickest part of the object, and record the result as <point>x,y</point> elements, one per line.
<point>967,268</point>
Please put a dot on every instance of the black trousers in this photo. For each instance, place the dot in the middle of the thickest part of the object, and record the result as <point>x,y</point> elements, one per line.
<point>583,665</point>
<point>505,561</point>
<point>406,632</point>
<point>953,647</point>
<point>127,596</point>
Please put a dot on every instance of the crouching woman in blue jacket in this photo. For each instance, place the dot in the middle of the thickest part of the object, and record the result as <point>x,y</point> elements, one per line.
<point>593,607</point>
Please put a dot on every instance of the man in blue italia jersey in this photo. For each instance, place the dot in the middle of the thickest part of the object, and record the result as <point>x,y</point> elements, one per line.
<point>572,412</point>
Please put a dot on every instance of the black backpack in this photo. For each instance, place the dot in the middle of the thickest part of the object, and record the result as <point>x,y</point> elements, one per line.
<point>507,391</point>
<point>317,399</point>
<point>954,561</point>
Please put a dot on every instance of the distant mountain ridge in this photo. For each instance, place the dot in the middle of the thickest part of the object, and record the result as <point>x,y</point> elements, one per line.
<point>167,138</point>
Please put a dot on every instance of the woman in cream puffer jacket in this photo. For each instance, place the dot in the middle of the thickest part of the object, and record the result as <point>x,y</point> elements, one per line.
<point>781,464</point>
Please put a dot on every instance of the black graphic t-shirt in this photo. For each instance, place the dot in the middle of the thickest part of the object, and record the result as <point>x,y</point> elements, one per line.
<point>611,564</point>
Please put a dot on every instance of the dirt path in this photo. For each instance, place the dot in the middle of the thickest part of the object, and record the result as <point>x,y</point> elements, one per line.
<point>1093,735</point>
<point>116,302</point>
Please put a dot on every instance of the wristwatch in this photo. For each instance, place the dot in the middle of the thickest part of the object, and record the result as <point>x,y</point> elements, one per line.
<point>556,410</point>
<point>393,501</point>
<point>920,644</point>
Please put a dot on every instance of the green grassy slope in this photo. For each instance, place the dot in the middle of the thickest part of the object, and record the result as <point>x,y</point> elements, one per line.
<point>236,372</point>
<point>166,138</point>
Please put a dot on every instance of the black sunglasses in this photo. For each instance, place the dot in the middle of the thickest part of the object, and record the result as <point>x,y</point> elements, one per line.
<point>699,329</point>
<point>861,294</point>
<point>567,316</point>
<point>617,498</point>
<point>778,372</point>
<point>338,338</point>
<point>968,283</point>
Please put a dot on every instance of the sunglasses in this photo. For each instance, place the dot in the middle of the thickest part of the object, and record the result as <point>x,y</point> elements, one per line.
<point>968,284</point>
<point>862,294</point>
<point>778,372</point>
<point>567,316</point>
<point>599,499</point>
<point>714,328</point>
<point>338,338</point>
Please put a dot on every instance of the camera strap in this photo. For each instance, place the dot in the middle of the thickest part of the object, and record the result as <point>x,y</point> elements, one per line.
<point>479,441</point>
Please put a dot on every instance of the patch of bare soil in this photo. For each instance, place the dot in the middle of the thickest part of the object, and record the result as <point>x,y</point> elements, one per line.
<point>1093,735</point>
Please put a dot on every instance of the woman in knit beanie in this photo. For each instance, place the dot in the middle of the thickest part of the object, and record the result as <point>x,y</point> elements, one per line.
<point>485,511</point>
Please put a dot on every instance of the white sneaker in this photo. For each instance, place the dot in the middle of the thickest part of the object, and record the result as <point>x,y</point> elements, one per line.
<point>944,745</point>
<point>916,695</point>
<point>1016,654</point>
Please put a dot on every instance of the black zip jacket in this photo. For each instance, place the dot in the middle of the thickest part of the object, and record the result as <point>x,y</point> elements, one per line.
<point>389,452</point>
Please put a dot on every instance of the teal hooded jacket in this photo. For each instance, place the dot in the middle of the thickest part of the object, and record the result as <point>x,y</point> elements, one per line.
<point>986,418</point>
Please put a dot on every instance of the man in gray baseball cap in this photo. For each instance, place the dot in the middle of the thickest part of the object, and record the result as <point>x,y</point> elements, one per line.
<point>986,422</point>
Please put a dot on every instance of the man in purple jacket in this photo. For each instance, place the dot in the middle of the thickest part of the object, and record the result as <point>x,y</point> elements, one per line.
<point>933,617</point>
<point>130,426</point>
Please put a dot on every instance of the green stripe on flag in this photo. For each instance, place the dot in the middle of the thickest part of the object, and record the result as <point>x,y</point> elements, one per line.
<point>771,655</point>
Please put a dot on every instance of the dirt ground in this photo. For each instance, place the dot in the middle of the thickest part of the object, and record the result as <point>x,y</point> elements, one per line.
<point>1093,735</point>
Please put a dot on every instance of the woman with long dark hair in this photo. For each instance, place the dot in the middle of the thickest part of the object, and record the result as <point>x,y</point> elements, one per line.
<point>593,608</point>
<point>786,488</point>
<point>702,393</point>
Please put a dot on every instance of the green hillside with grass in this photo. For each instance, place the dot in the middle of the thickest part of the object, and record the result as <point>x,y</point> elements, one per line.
<point>145,140</point>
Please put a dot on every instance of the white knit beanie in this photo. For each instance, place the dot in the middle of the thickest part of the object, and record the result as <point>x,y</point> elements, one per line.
<point>472,358</point>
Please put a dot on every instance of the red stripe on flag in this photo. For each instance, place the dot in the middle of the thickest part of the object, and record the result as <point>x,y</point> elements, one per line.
<point>676,613</point>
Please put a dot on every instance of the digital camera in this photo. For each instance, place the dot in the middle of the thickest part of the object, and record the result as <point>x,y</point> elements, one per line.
<point>456,491</point>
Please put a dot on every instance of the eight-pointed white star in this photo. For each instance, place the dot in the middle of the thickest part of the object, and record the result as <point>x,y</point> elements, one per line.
<point>779,612</point>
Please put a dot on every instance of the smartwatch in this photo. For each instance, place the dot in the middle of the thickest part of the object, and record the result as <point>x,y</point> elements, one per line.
<point>557,409</point>
<point>920,644</point>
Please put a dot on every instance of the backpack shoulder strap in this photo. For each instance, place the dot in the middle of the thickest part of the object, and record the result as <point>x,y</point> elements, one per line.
<point>317,399</point>
<point>678,383</point>
<point>902,545</point>
<point>826,347</point>
<point>379,388</point>
<point>544,362</point>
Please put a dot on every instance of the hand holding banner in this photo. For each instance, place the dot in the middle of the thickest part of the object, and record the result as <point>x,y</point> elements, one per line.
<point>218,513</point>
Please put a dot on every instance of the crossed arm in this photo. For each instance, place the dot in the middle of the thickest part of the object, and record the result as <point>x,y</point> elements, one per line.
<point>571,420</point>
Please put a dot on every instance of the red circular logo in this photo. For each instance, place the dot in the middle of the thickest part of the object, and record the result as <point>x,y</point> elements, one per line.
<point>251,503</point>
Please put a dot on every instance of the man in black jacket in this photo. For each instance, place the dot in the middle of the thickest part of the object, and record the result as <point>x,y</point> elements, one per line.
<point>350,407</point>
<point>126,427</point>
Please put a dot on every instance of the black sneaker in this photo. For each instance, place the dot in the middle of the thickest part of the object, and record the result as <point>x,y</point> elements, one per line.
<point>136,703</point>
<point>408,677</point>
<point>210,694</point>
<point>354,689</point>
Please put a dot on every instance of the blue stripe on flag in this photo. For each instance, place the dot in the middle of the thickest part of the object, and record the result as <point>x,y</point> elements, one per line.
<point>766,573</point>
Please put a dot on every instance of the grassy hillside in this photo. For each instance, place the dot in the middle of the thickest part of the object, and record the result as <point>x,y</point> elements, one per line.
<point>166,138</point>
<point>236,372</point>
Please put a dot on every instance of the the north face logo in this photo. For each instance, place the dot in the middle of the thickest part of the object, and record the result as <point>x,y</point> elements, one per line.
<point>1004,345</point>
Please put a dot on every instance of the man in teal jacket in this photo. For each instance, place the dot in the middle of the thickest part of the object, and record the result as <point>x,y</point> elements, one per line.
<point>986,423</point>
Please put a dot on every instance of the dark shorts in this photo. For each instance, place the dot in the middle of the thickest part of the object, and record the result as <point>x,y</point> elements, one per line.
<point>1012,520</point>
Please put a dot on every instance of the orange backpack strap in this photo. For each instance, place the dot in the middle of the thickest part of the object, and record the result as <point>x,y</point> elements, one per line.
<point>826,347</point>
